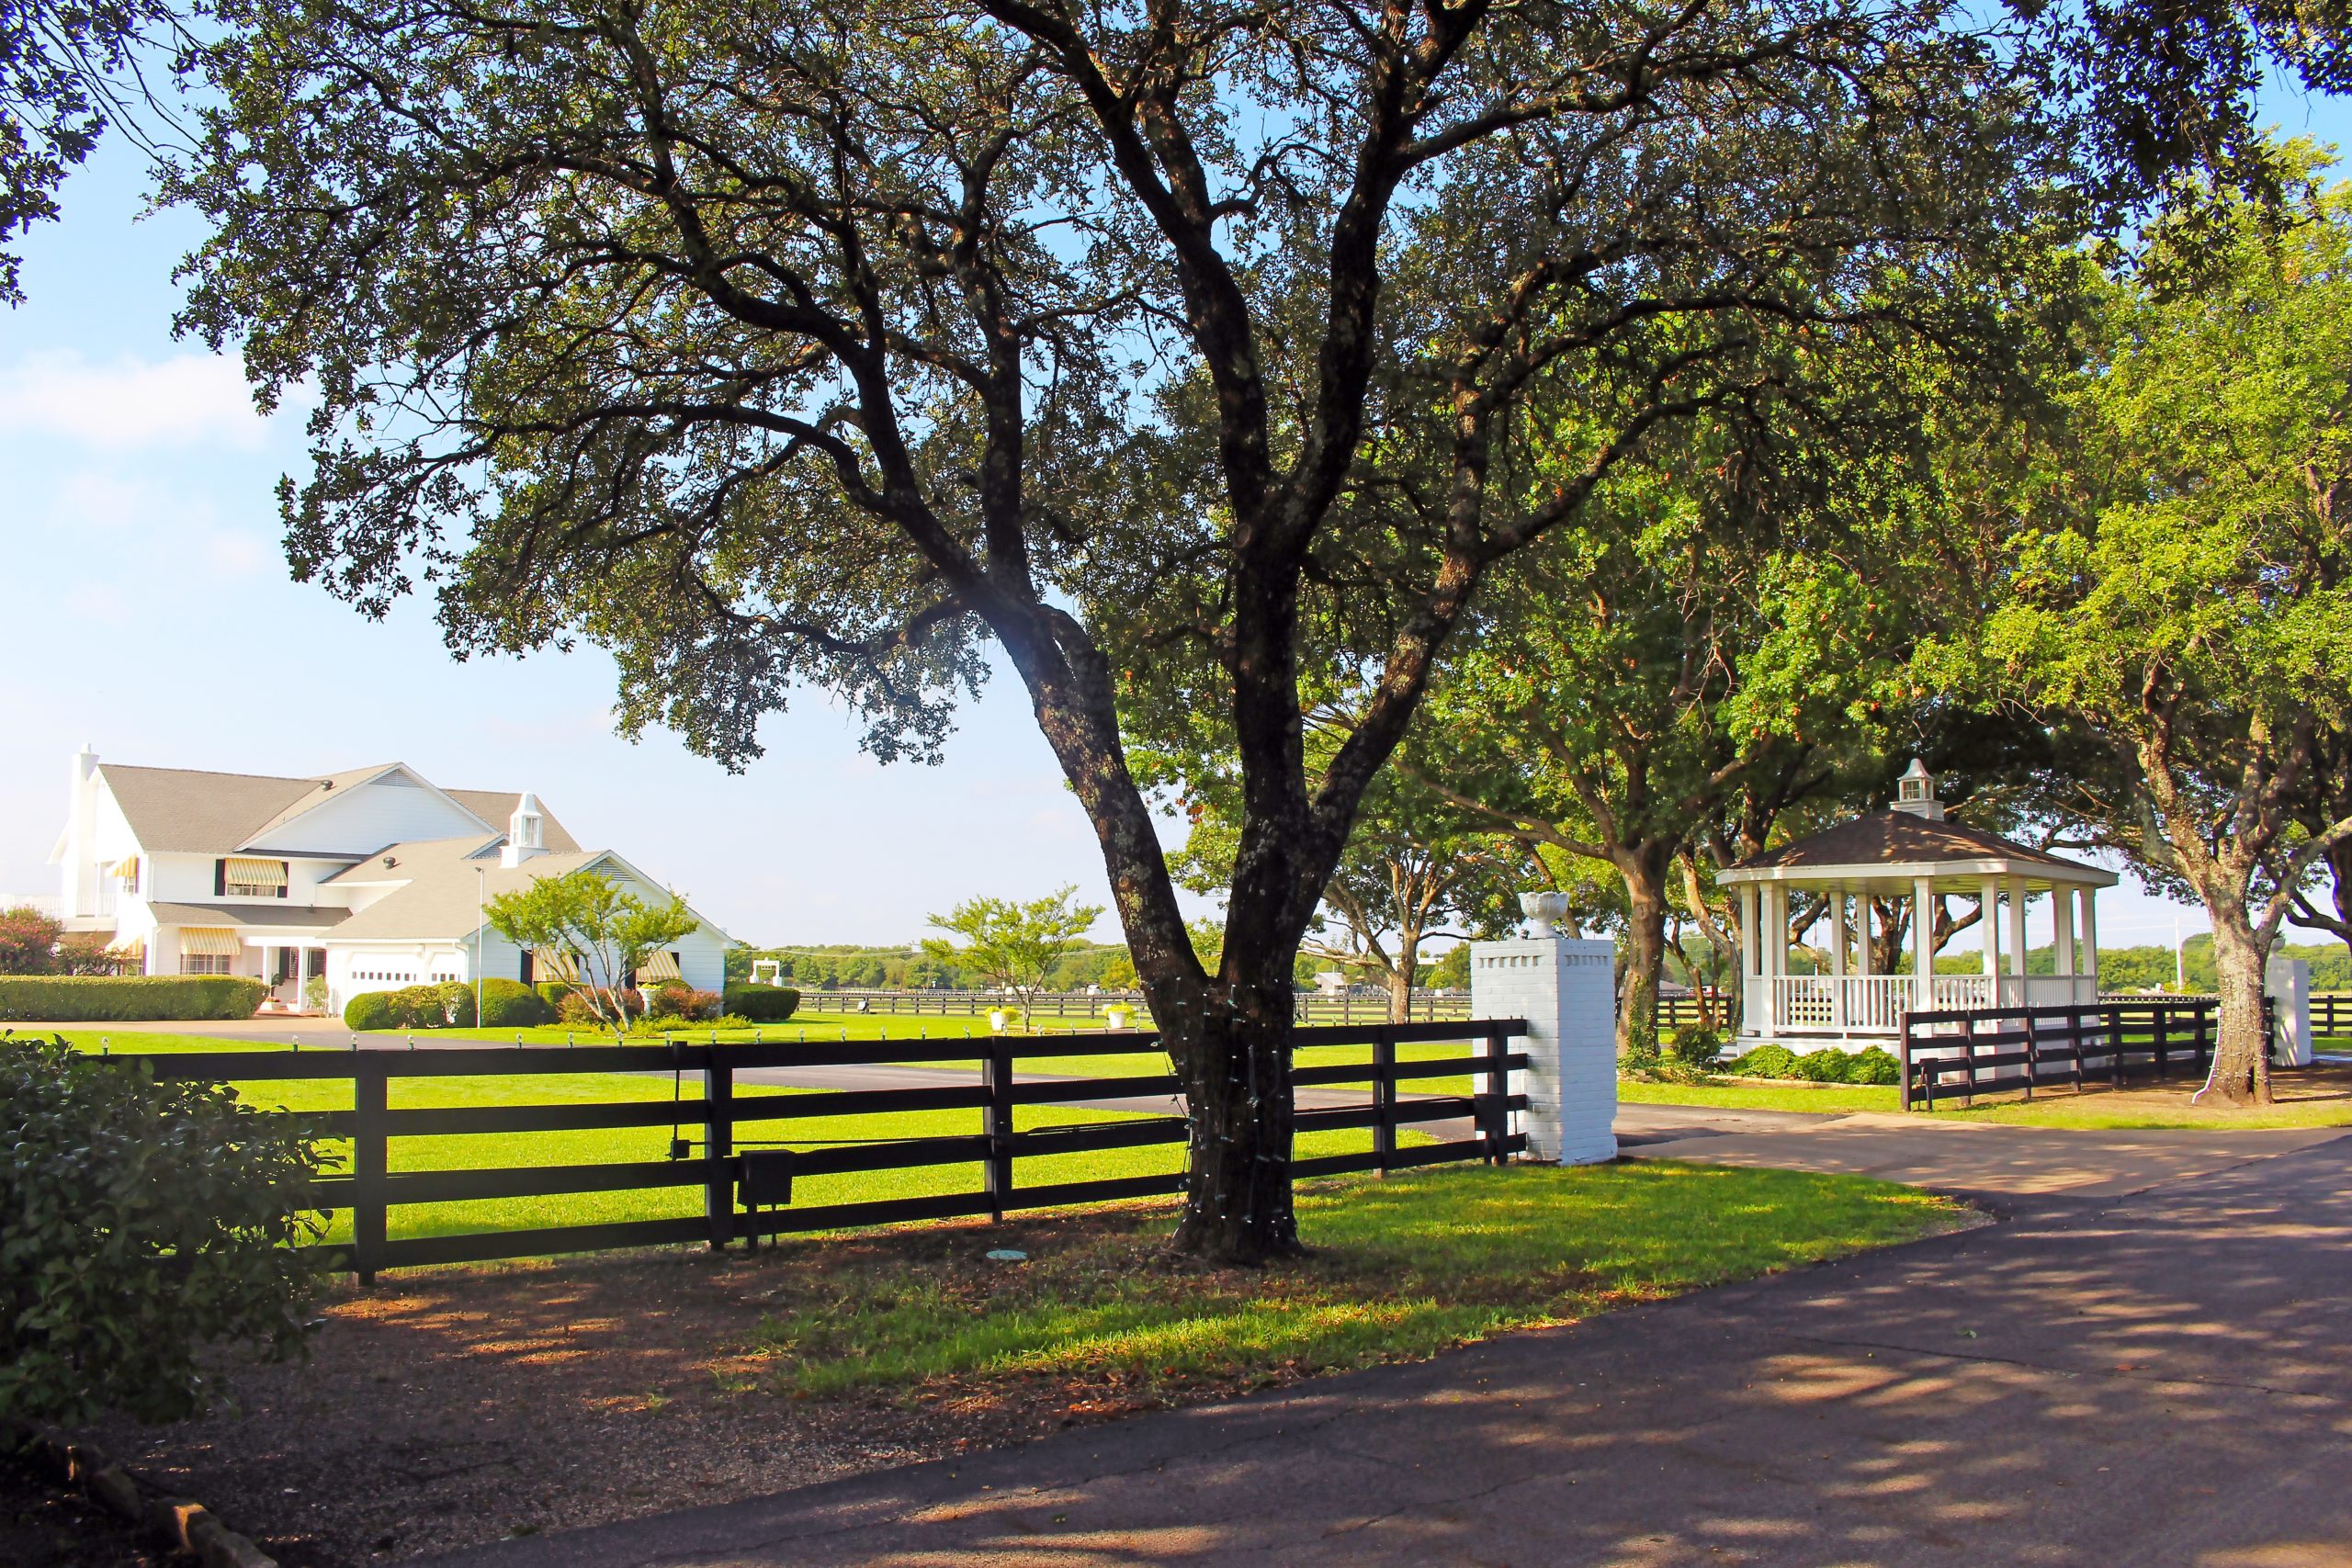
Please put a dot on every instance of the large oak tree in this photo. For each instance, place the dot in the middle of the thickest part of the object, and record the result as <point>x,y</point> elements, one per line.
<point>777,346</point>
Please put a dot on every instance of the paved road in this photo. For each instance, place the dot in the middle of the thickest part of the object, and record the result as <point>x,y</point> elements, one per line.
<point>2159,1378</point>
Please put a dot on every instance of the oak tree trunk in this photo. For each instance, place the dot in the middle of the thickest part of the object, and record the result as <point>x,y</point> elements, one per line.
<point>1644,874</point>
<point>1232,1050</point>
<point>2241,1073</point>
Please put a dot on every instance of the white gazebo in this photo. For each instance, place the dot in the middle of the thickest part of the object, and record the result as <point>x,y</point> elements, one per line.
<point>1906,851</point>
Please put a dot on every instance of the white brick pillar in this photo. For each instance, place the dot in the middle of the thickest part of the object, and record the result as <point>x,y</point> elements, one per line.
<point>1564,988</point>
<point>2288,983</point>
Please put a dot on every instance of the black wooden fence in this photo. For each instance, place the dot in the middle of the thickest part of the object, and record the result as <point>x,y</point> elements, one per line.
<point>1972,1051</point>
<point>729,1176</point>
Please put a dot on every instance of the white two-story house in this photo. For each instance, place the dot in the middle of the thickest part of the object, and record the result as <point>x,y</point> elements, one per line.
<point>375,878</point>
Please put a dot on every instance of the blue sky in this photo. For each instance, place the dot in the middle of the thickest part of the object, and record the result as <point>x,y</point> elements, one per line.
<point>149,614</point>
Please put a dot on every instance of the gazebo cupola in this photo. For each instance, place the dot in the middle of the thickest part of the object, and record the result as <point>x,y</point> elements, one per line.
<point>1910,854</point>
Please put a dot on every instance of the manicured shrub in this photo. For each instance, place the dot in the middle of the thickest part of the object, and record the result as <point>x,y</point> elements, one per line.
<point>456,1000</point>
<point>1697,1048</point>
<point>1875,1064</point>
<point>368,1010</point>
<point>552,992</point>
<point>144,1222</point>
<point>96,998</point>
<point>762,1004</point>
<point>676,999</point>
<point>1767,1062</point>
<point>574,1010</point>
<point>1828,1065</point>
<point>510,1004</point>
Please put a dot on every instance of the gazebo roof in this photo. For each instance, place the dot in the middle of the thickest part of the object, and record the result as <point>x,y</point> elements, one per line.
<point>1897,847</point>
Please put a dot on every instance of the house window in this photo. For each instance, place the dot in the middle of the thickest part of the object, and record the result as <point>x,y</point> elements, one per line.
<point>203,963</point>
<point>239,876</point>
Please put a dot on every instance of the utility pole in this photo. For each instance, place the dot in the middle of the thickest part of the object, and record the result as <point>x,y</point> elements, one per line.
<point>482,900</point>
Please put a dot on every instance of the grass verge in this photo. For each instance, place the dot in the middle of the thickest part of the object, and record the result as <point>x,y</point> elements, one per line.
<point>1401,1269</point>
<point>1830,1098</point>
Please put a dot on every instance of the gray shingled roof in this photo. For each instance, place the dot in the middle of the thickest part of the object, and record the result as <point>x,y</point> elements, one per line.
<point>442,898</point>
<point>189,810</point>
<point>263,916</point>
<point>1896,838</point>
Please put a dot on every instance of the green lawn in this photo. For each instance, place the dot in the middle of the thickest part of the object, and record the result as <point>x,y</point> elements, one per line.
<point>1836,1099</point>
<point>1400,1270</point>
<point>2095,1111</point>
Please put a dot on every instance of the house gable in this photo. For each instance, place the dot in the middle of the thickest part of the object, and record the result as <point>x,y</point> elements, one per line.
<point>390,805</point>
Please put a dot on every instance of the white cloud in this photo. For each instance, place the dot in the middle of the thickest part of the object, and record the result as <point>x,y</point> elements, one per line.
<point>187,400</point>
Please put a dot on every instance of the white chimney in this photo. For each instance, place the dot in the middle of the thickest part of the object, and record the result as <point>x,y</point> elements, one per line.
<point>78,871</point>
<point>526,832</point>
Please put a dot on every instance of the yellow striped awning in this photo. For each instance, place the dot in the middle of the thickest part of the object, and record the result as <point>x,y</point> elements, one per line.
<point>269,874</point>
<point>209,942</point>
<point>657,968</point>
<point>547,964</point>
<point>128,869</point>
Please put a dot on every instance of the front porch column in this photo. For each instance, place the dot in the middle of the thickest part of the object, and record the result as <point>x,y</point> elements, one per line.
<point>2017,937</point>
<point>1837,957</point>
<point>269,972</point>
<point>1988,917</point>
<point>302,978</point>
<point>1923,944</point>
<point>2087,955</point>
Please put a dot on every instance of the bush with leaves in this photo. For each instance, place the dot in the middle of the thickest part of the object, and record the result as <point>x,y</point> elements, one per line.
<point>510,1004</point>
<point>762,1004</point>
<point>1767,1062</point>
<point>368,1010</point>
<point>1875,1064</point>
<point>139,1223</point>
<point>1697,1048</point>
<point>1828,1065</point>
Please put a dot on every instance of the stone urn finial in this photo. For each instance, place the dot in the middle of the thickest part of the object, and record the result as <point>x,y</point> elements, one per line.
<point>1543,908</point>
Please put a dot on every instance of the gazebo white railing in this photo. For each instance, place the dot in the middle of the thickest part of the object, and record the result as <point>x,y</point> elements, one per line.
<point>1910,856</point>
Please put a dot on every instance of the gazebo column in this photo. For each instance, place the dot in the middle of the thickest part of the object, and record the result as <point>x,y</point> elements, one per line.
<point>2086,955</point>
<point>2016,937</point>
<point>1755,1005</point>
<point>2062,931</point>
<point>1923,944</point>
<point>1837,957</point>
<point>1776,952</point>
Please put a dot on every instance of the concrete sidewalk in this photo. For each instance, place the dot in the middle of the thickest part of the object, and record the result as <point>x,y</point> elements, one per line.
<point>2155,1380</point>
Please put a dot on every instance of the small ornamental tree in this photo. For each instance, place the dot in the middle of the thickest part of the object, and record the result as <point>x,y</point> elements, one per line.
<point>28,942</point>
<point>1013,946</point>
<point>139,1223</point>
<point>600,931</point>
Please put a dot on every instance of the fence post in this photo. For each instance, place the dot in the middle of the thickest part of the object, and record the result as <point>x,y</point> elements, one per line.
<point>1908,1088</point>
<point>1383,1098</point>
<point>718,1147</point>
<point>1968,1061</point>
<point>996,1075</point>
<point>370,1162</point>
<point>2032,1054</point>
<point>1496,1124</point>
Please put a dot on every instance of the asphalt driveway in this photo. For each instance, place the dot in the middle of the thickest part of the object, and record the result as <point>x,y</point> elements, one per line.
<point>2159,1378</point>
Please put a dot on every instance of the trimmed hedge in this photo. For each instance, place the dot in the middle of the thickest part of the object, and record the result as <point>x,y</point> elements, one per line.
<point>126,999</point>
<point>368,1010</point>
<point>1875,1064</point>
<point>510,1004</point>
<point>551,992</point>
<point>1766,1062</point>
<point>762,1004</point>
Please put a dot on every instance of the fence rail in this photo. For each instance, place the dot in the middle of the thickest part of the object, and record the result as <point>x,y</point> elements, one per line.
<point>1311,1007</point>
<point>2019,1049</point>
<point>747,1194</point>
